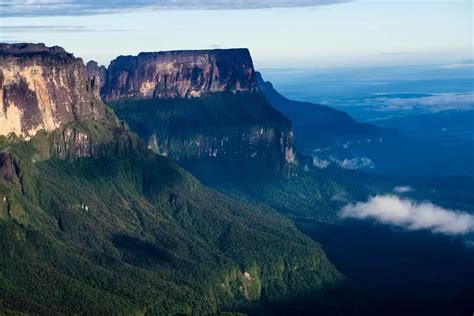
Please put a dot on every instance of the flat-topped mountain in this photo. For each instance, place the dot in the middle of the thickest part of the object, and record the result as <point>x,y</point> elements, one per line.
<point>43,88</point>
<point>198,105</point>
<point>30,49</point>
<point>183,74</point>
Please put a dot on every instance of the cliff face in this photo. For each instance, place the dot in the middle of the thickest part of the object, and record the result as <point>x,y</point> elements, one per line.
<point>43,88</point>
<point>183,74</point>
<point>198,104</point>
<point>96,75</point>
<point>272,144</point>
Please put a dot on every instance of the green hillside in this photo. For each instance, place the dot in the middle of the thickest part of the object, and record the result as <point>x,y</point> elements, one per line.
<point>129,232</point>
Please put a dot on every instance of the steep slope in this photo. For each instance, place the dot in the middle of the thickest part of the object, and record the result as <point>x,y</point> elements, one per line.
<point>93,223</point>
<point>199,105</point>
<point>138,234</point>
<point>319,126</point>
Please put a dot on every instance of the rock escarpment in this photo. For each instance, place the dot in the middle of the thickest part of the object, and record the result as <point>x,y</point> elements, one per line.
<point>43,88</point>
<point>192,105</point>
<point>183,74</point>
<point>46,89</point>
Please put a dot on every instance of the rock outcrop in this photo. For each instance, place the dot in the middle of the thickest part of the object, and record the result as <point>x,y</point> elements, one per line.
<point>183,74</point>
<point>43,88</point>
<point>8,166</point>
<point>97,75</point>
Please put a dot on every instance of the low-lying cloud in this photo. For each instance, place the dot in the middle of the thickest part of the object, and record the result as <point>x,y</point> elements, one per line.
<point>394,210</point>
<point>347,163</point>
<point>22,8</point>
<point>427,103</point>
<point>356,163</point>
<point>321,163</point>
<point>403,189</point>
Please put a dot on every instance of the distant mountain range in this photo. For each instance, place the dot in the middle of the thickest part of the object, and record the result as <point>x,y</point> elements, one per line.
<point>318,126</point>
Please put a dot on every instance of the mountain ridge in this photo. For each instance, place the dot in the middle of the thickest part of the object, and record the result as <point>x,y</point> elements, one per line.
<point>93,222</point>
<point>318,125</point>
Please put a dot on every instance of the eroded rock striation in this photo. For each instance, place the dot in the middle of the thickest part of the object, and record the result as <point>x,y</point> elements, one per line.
<point>43,88</point>
<point>183,74</point>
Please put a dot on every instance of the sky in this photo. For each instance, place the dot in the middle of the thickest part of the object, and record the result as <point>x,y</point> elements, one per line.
<point>279,33</point>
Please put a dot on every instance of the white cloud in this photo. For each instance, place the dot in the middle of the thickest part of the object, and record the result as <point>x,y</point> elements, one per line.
<point>18,8</point>
<point>56,29</point>
<point>434,103</point>
<point>321,163</point>
<point>393,210</point>
<point>351,164</point>
<point>403,189</point>
<point>457,66</point>
<point>355,163</point>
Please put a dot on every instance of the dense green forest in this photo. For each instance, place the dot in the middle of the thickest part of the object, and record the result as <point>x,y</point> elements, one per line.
<point>130,232</point>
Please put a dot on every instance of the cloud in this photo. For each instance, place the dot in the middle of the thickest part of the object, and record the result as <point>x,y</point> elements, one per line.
<point>22,8</point>
<point>321,163</point>
<point>432,103</point>
<point>468,63</point>
<point>55,29</point>
<point>355,163</point>
<point>393,210</point>
<point>340,197</point>
<point>395,53</point>
<point>403,189</point>
<point>457,66</point>
<point>351,164</point>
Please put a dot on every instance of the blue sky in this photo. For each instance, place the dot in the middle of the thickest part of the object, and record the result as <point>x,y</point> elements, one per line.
<point>279,33</point>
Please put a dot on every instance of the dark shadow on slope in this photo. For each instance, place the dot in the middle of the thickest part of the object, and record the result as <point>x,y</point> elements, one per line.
<point>391,272</point>
<point>137,251</point>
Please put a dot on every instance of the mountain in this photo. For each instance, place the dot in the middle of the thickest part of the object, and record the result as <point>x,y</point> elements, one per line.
<point>93,222</point>
<point>382,279</point>
<point>45,92</point>
<point>206,111</point>
<point>318,126</point>
<point>42,88</point>
<point>199,105</point>
<point>184,74</point>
